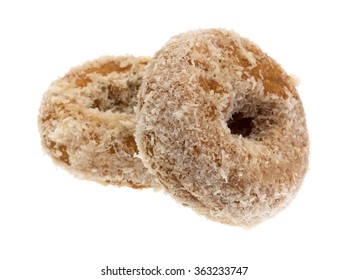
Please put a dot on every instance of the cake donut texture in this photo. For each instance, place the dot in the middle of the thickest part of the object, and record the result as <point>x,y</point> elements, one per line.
<point>222,127</point>
<point>87,121</point>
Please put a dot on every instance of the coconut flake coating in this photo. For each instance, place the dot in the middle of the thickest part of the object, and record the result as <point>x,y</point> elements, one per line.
<point>87,121</point>
<point>222,126</point>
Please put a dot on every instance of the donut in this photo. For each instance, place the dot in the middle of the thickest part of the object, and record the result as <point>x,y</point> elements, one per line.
<point>87,121</point>
<point>222,126</point>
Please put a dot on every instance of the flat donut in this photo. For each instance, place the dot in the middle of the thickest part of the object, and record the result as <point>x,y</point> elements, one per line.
<point>222,126</point>
<point>87,121</point>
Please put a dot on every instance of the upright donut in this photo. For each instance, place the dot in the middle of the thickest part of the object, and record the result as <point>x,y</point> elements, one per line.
<point>222,126</point>
<point>87,121</point>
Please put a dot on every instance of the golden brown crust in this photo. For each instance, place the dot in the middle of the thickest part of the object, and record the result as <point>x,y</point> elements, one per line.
<point>222,127</point>
<point>87,121</point>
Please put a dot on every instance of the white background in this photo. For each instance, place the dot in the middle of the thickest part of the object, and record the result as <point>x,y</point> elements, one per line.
<point>54,226</point>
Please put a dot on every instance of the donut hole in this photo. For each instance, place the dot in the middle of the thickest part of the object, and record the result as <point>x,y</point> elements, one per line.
<point>117,99</point>
<point>257,119</point>
<point>239,124</point>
